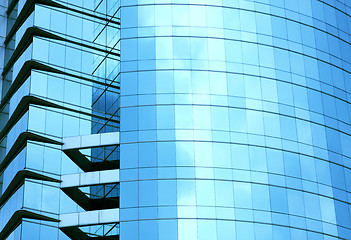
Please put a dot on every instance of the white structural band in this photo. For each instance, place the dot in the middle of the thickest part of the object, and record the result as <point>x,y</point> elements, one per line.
<point>90,178</point>
<point>89,218</point>
<point>91,141</point>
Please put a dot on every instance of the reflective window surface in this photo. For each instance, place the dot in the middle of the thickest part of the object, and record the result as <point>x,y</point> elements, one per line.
<point>60,65</point>
<point>235,119</point>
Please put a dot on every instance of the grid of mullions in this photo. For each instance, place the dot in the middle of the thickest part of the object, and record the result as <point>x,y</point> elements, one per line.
<point>236,116</point>
<point>85,64</point>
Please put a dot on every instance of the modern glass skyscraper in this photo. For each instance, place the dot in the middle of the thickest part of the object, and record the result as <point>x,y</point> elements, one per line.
<point>176,119</point>
<point>59,138</point>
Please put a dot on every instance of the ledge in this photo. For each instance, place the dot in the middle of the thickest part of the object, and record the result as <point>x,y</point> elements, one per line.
<point>21,47</point>
<point>22,107</point>
<point>86,165</point>
<point>27,39</point>
<point>21,18</point>
<point>17,181</point>
<point>17,216</point>
<point>80,219</point>
<point>91,141</point>
<point>24,73</point>
<point>28,8</point>
<point>19,145</point>
<point>71,146</point>
<point>89,204</point>
<point>72,182</point>
<point>91,178</point>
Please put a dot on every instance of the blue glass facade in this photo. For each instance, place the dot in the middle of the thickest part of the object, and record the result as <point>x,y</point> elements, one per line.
<point>175,119</point>
<point>59,153</point>
<point>235,119</point>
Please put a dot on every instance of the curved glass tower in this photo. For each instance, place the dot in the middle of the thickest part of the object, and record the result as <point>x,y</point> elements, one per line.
<point>235,119</point>
<point>175,119</point>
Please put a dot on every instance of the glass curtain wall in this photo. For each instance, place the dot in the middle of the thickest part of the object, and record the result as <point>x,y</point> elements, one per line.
<point>235,119</point>
<point>60,79</point>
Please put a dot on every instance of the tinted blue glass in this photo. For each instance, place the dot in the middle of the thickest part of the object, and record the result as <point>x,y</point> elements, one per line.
<point>281,131</point>
<point>235,116</point>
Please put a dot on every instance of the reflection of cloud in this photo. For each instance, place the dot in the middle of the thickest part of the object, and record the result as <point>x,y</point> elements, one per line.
<point>197,15</point>
<point>187,211</point>
<point>202,117</point>
<point>180,15</point>
<point>199,49</point>
<point>186,192</point>
<point>254,122</point>
<point>240,126</point>
<point>164,48</point>
<point>185,188</point>
<point>203,154</point>
<point>243,195</point>
<point>182,83</point>
<point>327,210</point>
<point>304,132</point>
<point>184,117</point>
<point>146,16</point>
<point>187,229</point>
<point>184,151</point>
<point>201,84</point>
